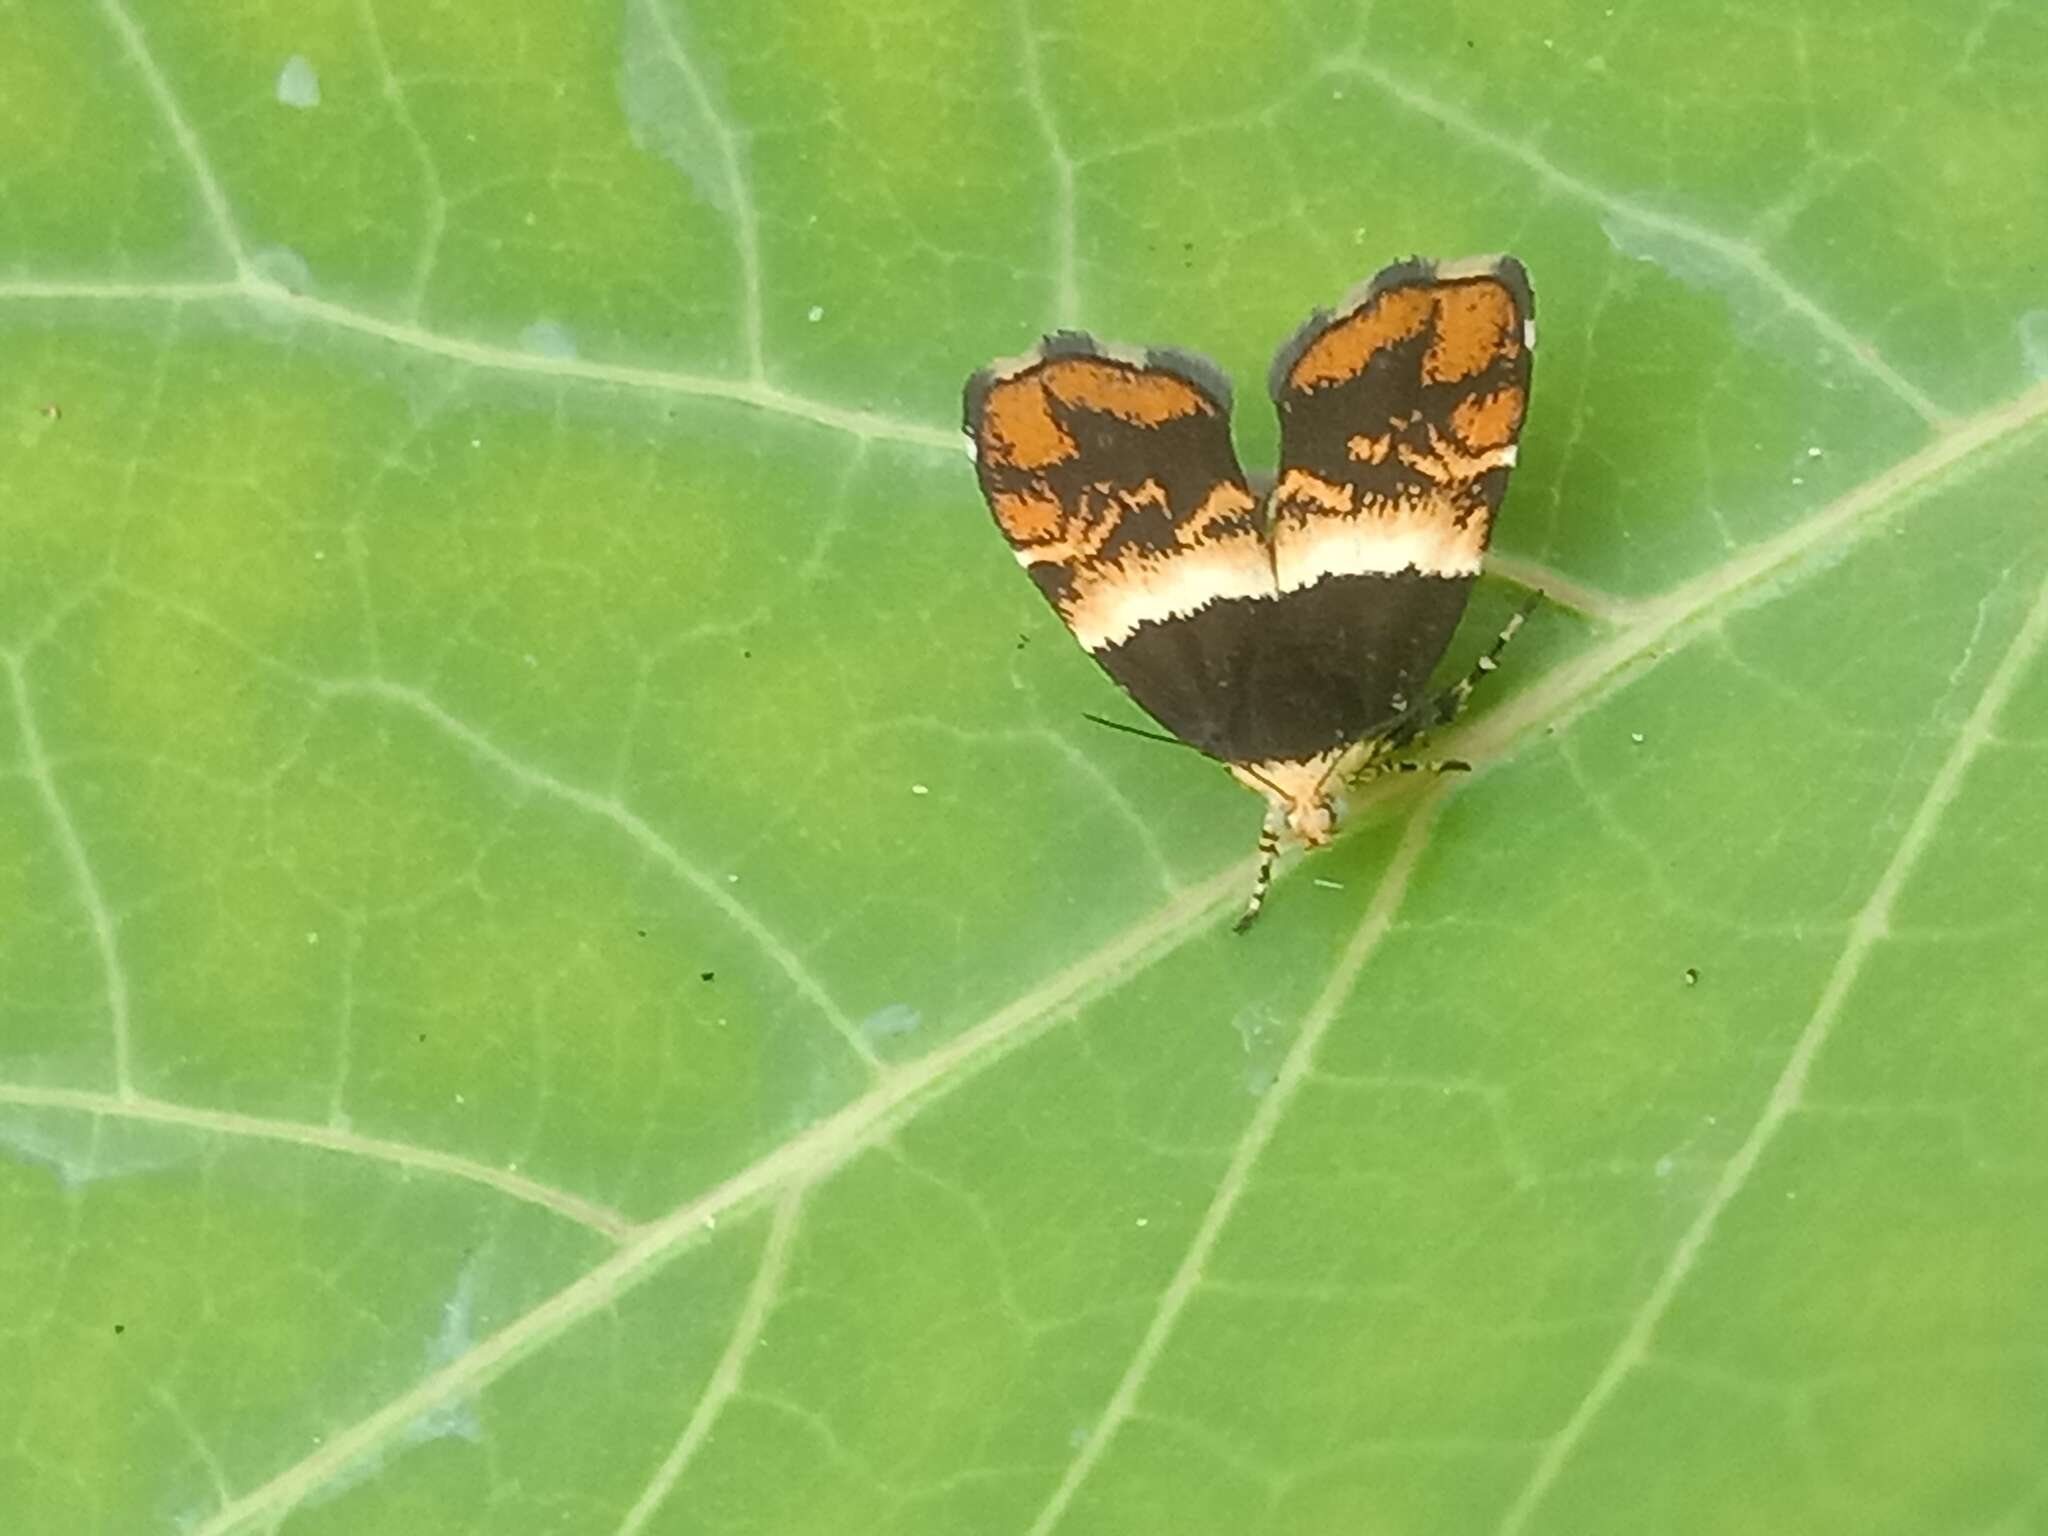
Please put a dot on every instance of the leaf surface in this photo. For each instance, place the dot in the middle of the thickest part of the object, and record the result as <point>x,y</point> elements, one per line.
<point>568,960</point>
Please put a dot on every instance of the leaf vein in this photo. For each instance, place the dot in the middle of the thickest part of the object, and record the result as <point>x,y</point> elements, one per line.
<point>636,827</point>
<point>212,195</point>
<point>730,1372</point>
<point>325,1138</point>
<point>261,292</point>
<point>436,197</point>
<point>71,847</point>
<point>739,192</point>
<point>1066,288</point>
<point>1741,257</point>
<point>902,1094</point>
<point>1295,1070</point>
<point>807,1158</point>
<point>1869,927</point>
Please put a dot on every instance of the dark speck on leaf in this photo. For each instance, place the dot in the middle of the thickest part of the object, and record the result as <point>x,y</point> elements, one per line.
<point>120,1327</point>
<point>706,975</point>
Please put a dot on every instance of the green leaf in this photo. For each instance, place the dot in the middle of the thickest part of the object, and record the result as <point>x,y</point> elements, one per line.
<point>569,962</point>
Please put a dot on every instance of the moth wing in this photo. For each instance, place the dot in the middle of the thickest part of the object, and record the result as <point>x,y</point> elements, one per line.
<point>1112,476</point>
<point>1399,420</point>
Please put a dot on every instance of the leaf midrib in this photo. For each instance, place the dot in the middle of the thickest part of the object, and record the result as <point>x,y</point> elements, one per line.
<point>1663,628</point>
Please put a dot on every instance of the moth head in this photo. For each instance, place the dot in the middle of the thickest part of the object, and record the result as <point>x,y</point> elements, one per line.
<point>1301,795</point>
<point>1312,820</point>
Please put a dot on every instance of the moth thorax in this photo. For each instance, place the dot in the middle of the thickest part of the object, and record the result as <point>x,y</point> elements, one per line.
<point>1312,820</point>
<point>1301,795</point>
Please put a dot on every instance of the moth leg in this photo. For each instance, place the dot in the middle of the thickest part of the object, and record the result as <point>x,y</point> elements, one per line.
<point>1434,765</point>
<point>1449,704</point>
<point>1373,770</point>
<point>1269,851</point>
<point>1412,728</point>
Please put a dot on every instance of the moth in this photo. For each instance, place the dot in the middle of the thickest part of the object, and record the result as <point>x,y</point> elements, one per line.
<point>1288,631</point>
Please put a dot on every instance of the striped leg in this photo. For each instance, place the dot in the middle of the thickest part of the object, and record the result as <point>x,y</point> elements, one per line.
<point>1413,729</point>
<point>1269,850</point>
<point>1449,704</point>
<point>1435,765</point>
<point>1376,770</point>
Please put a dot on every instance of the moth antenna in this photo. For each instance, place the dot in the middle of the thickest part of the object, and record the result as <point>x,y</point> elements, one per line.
<point>1175,741</point>
<point>1140,732</point>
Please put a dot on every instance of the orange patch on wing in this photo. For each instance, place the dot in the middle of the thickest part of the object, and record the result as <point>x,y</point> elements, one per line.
<point>1143,399</point>
<point>1489,421</point>
<point>1343,350</point>
<point>1148,495</point>
<point>1475,323</point>
<point>1017,428</point>
<point>1447,466</point>
<point>1223,506</point>
<point>1427,465</point>
<point>1371,450</point>
<point>1027,519</point>
<point>1298,485</point>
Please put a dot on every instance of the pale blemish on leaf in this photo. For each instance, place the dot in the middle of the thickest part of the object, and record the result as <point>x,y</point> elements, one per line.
<point>2034,342</point>
<point>454,1418</point>
<point>890,1023</point>
<point>1698,266</point>
<point>549,339</point>
<point>457,1416</point>
<point>666,111</point>
<point>285,267</point>
<point>298,83</point>
<point>81,1152</point>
